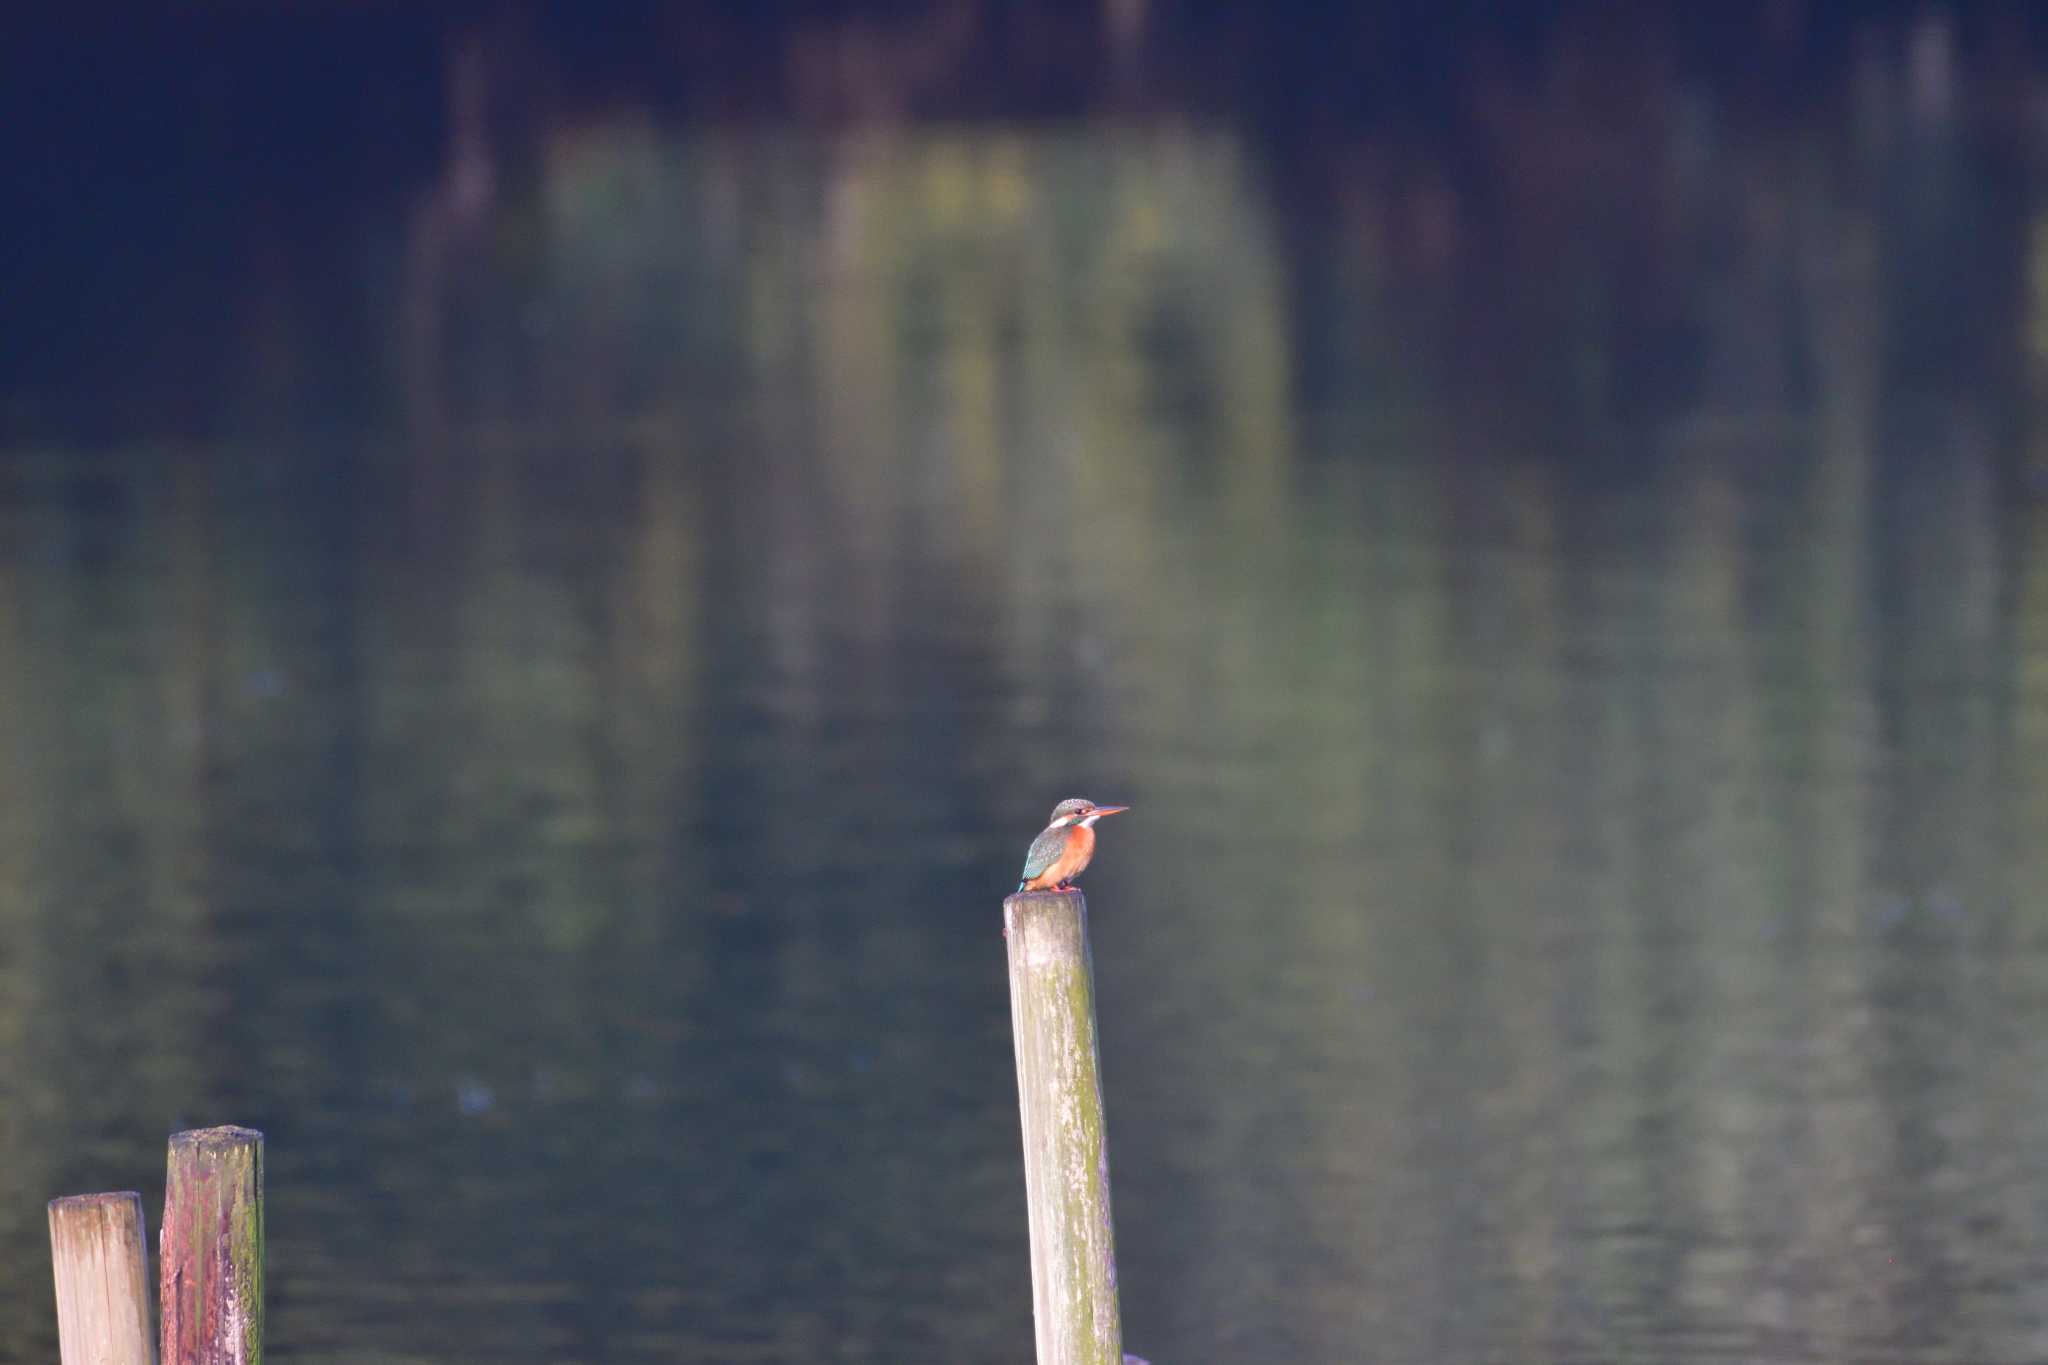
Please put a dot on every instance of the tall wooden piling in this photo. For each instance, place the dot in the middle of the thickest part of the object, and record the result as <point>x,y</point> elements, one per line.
<point>1066,1150</point>
<point>211,1287</point>
<point>102,1272</point>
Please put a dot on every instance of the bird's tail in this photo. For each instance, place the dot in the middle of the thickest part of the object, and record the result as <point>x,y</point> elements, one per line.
<point>1020,885</point>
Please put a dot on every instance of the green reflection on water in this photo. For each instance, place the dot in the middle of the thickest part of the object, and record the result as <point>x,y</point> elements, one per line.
<point>1580,895</point>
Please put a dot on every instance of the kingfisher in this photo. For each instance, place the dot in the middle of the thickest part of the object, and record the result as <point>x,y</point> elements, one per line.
<point>1063,849</point>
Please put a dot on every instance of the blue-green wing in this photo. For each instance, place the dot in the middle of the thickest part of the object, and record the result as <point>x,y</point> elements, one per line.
<point>1043,853</point>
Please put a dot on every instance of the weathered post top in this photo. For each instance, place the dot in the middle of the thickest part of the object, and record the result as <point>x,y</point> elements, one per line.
<point>223,1138</point>
<point>211,1261</point>
<point>102,1275</point>
<point>1066,1149</point>
<point>1052,924</point>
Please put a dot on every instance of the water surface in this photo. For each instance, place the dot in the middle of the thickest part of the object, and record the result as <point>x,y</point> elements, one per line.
<point>1581,673</point>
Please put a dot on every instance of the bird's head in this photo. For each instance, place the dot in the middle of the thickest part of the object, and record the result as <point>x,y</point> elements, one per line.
<point>1078,811</point>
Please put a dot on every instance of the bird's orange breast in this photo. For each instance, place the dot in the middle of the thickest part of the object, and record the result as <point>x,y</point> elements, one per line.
<point>1080,848</point>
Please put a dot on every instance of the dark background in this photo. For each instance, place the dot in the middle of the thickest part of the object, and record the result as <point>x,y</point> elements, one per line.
<point>249,144</point>
<point>552,559</point>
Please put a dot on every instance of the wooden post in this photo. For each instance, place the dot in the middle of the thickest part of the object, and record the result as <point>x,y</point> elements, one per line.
<point>102,1274</point>
<point>211,1291</point>
<point>1066,1152</point>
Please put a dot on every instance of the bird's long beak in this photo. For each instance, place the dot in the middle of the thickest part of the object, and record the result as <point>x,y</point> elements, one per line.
<point>1109,810</point>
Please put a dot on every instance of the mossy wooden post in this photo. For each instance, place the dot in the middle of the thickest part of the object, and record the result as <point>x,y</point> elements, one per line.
<point>211,1290</point>
<point>102,1271</point>
<point>1066,1151</point>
